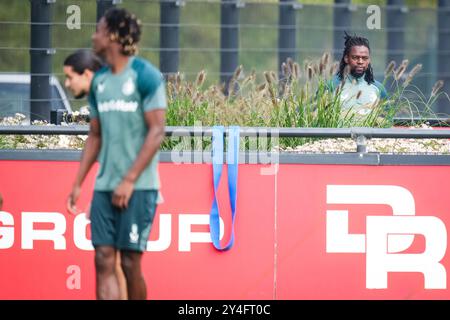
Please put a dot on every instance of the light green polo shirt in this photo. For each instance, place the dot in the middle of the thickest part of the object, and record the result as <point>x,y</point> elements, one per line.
<point>357,95</point>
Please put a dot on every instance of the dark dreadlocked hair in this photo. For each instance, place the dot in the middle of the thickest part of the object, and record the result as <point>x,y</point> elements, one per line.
<point>351,41</point>
<point>125,28</point>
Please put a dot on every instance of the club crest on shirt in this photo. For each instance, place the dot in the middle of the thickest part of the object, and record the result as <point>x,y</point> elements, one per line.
<point>100,87</point>
<point>128,87</point>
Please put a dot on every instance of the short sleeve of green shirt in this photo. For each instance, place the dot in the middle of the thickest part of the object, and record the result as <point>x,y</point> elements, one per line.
<point>151,86</point>
<point>93,110</point>
<point>158,101</point>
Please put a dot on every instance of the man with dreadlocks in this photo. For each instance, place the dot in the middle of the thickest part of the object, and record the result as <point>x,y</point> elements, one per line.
<point>359,91</point>
<point>127,101</point>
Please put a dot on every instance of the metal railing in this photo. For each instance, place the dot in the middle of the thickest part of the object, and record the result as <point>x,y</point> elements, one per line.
<point>358,134</point>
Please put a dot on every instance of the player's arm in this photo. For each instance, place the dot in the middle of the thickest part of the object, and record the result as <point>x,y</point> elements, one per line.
<point>155,120</point>
<point>88,158</point>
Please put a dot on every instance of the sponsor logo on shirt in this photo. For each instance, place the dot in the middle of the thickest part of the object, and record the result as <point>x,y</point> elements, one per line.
<point>118,105</point>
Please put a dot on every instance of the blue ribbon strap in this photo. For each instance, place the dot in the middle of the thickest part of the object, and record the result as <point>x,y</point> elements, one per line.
<point>232,163</point>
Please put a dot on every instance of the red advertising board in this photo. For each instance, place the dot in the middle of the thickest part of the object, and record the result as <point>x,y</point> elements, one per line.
<point>331,247</point>
<point>308,232</point>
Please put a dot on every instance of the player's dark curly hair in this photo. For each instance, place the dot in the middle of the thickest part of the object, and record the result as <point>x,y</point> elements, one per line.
<point>125,28</point>
<point>351,41</point>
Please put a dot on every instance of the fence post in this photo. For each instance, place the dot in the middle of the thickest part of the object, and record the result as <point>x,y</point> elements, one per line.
<point>341,22</point>
<point>395,25</point>
<point>286,33</point>
<point>40,59</point>
<point>229,40</point>
<point>169,36</point>
<point>443,52</point>
<point>104,5</point>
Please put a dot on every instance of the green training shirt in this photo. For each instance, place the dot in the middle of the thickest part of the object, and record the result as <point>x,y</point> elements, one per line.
<point>119,102</point>
<point>358,95</point>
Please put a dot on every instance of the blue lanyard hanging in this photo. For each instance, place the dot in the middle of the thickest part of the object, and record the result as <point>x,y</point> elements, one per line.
<point>232,162</point>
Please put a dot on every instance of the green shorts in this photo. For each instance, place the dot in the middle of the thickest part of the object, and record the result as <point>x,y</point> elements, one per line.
<point>126,229</point>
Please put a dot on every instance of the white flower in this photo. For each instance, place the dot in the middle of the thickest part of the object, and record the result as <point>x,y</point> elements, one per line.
<point>84,110</point>
<point>19,116</point>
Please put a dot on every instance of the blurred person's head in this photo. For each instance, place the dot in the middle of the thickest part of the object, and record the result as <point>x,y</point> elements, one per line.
<point>356,56</point>
<point>117,32</point>
<point>79,69</point>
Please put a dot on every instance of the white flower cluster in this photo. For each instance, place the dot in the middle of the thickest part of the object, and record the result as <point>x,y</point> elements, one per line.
<point>13,121</point>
